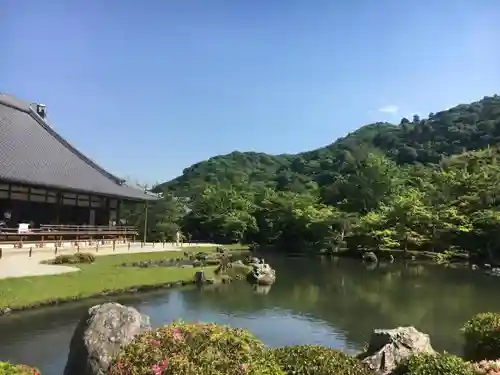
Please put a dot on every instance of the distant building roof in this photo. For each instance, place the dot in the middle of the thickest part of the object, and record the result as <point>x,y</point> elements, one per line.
<point>32,152</point>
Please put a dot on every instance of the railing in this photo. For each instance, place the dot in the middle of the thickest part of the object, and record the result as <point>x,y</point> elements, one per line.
<point>59,234</point>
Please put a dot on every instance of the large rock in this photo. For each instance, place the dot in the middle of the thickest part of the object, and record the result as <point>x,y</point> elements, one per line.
<point>99,335</point>
<point>370,257</point>
<point>388,347</point>
<point>262,274</point>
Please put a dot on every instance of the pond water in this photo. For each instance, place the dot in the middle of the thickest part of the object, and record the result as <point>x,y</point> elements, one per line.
<point>334,303</point>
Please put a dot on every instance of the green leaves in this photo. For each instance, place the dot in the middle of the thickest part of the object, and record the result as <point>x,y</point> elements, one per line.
<point>195,349</point>
<point>7,368</point>
<point>434,364</point>
<point>482,337</point>
<point>413,186</point>
<point>317,360</point>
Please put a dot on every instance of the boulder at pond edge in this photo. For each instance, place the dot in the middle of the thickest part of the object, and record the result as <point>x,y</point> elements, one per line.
<point>388,347</point>
<point>100,334</point>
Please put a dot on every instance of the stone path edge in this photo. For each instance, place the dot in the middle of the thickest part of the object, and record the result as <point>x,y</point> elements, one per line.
<point>105,293</point>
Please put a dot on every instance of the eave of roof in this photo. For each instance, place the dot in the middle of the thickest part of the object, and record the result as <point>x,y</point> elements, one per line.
<point>32,152</point>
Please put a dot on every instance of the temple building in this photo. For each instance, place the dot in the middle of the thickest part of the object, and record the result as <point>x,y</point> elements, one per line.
<point>45,180</point>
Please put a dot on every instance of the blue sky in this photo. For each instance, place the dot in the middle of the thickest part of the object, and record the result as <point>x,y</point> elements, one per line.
<point>147,88</point>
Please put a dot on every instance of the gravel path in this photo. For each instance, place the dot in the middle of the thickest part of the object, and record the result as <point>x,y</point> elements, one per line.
<point>18,263</point>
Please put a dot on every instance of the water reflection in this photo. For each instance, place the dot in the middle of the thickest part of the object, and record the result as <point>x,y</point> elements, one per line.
<point>334,303</point>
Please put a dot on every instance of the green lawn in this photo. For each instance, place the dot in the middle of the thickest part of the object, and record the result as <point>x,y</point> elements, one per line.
<point>105,274</point>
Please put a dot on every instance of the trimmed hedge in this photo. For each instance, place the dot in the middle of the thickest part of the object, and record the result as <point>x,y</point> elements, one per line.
<point>7,368</point>
<point>75,258</point>
<point>482,337</point>
<point>434,364</point>
<point>317,360</point>
<point>195,349</point>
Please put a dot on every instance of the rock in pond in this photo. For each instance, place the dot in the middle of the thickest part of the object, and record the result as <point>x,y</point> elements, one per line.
<point>99,335</point>
<point>262,274</point>
<point>199,277</point>
<point>370,257</point>
<point>388,347</point>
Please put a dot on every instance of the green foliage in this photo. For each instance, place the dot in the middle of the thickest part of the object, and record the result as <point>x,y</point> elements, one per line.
<point>435,364</point>
<point>317,360</point>
<point>7,368</point>
<point>75,258</point>
<point>163,217</point>
<point>423,185</point>
<point>195,349</point>
<point>482,337</point>
<point>420,141</point>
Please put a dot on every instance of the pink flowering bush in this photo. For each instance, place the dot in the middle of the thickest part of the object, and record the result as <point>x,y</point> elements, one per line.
<point>482,337</point>
<point>7,368</point>
<point>195,349</point>
<point>485,367</point>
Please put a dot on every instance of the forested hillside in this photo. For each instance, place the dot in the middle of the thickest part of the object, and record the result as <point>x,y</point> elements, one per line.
<point>424,185</point>
<point>413,141</point>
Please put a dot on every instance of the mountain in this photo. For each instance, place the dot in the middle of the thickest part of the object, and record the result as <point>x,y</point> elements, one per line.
<point>426,141</point>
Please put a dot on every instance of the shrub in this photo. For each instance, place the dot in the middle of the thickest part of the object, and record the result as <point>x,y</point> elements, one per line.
<point>10,369</point>
<point>195,349</point>
<point>317,360</point>
<point>434,364</point>
<point>487,367</point>
<point>73,258</point>
<point>482,337</point>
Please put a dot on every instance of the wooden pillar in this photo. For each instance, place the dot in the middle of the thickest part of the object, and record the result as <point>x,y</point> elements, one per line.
<point>58,207</point>
<point>118,209</point>
<point>108,210</point>
<point>145,221</point>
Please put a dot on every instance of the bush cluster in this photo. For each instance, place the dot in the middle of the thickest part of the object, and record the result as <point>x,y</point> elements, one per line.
<point>210,349</point>
<point>482,337</point>
<point>75,258</point>
<point>195,349</point>
<point>317,360</point>
<point>7,368</point>
<point>486,367</point>
<point>435,364</point>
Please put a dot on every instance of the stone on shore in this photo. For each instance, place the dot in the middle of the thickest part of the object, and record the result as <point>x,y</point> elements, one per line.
<point>388,347</point>
<point>100,334</point>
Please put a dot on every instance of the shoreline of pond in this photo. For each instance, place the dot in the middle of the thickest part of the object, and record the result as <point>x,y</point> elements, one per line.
<point>459,259</point>
<point>329,302</point>
<point>106,293</point>
<point>386,255</point>
<point>89,282</point>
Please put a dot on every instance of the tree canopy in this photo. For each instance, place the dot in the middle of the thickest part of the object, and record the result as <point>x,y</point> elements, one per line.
<point>424,184</point>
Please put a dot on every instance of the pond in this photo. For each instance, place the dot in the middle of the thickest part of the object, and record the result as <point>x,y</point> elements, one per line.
<point>334,303</point>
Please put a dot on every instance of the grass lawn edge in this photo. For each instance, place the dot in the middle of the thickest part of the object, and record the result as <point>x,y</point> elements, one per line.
<point>104,266</point>
<point>105,293</point>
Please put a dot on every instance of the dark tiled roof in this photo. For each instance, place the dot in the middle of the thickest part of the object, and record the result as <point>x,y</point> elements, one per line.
<point>32,152</point>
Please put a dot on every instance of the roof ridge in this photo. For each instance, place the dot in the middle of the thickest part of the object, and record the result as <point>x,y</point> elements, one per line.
<point>13,102</point>
<point>42,122</point>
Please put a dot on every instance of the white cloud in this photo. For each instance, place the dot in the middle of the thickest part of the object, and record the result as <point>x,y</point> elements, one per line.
<point>389,109</point>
